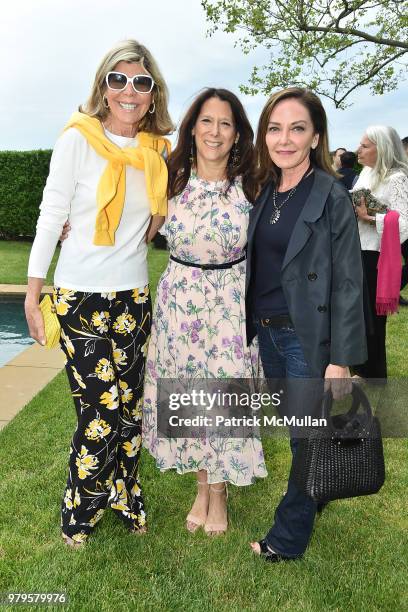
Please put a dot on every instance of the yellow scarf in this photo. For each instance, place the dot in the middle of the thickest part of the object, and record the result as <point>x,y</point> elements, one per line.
<point>110,194</point>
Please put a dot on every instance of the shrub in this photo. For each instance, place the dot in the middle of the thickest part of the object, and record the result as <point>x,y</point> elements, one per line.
<point>22,179</point>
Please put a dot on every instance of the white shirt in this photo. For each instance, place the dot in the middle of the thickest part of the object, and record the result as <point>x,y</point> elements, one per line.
<point>393,192</point>
<point>70,193</point>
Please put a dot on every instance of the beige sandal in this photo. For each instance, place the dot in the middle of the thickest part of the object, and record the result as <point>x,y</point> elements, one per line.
<point>139,532</point>
<point>196,521</point>
<point>214,529</point>
<point>71,543</point>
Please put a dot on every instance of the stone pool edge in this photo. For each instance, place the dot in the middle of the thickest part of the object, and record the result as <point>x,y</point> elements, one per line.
<point>25,375</point>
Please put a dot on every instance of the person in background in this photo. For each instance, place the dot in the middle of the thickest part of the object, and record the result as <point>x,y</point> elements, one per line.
<point>108,175</point>
<point>336,158</point>
<point>198,329</point>
<point>404,246</point>
<point>349,176</point>
<point>304,288</point>
<point>385,174</point>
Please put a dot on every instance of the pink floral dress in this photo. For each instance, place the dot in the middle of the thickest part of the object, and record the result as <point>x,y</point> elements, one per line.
<point>198,328</point>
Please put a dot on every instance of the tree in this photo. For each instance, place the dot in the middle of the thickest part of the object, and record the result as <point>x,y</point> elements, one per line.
<point>330,46</point>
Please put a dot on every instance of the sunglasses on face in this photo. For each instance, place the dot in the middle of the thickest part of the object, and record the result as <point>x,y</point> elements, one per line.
<point>141,83</point>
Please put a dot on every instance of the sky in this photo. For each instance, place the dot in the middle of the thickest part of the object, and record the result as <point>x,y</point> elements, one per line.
<point>50,50</point>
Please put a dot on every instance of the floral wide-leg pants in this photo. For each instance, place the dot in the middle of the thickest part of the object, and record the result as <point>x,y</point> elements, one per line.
<point>104,337</point>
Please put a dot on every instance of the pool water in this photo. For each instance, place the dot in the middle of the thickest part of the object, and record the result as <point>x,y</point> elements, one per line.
<point>14,337</point>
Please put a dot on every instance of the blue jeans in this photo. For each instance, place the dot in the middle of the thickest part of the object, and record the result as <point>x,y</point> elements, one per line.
<point>282,357</point>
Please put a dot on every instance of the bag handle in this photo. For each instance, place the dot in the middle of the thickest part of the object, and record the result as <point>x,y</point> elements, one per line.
<point>351,424</point>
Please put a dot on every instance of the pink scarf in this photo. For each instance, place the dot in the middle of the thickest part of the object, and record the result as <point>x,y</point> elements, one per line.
<point>389,266</point>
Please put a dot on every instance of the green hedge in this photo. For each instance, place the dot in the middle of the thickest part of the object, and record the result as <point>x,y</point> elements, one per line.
<point>22,179</point>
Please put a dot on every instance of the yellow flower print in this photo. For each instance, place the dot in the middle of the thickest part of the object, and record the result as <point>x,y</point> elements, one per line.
<point>141,518</point>
<point>135,490</point>
<point>61,299</point>
<point>145,347</point>
<point>72,521</point>
<point>109,481</point>
<point>110,398</point>
<point>79,537</point>
<point>68,344</point>
<point>119,355</point>
<point>123,470</point>
<point>96,517</point>
<point>133,446</point>
<point>124,324</point>
<point>104,370</point>
<point>140,296</point>
<point>68,499</point>
<point>85,463</point>
<point>77,498</point>
<point>118,497</point>
<point>125,392</point>
<point>137,410</point>
<point>78,377</point>
<point>109,296</point>
<point>100,320</point>
<point>97,429</point>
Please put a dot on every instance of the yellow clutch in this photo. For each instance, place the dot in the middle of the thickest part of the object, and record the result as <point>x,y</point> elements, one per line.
<point>51,323</point>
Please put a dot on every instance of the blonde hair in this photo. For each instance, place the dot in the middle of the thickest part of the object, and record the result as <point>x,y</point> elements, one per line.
<point>130,50</point>
<point>390,153</point>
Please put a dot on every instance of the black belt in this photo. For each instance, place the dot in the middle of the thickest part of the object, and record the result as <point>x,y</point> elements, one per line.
<point>277,321</point>
<point>223,266</point>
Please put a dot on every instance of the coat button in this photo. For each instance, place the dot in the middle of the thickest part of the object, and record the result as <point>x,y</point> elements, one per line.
<point>322,308</point>
<point>312,276</point>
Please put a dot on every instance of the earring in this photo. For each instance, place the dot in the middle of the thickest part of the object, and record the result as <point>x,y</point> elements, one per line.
<point>192,155</point>
<point>234,157</point>
<point>105,101</point>
<point>151,110</point>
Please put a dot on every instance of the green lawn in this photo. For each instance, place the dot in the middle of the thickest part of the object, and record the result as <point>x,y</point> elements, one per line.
<point>357,560</point>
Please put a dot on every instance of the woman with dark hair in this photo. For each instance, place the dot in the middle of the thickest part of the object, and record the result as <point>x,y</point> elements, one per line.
<point>304,278</point>
<point>108,176</point>
<point>198,328</point>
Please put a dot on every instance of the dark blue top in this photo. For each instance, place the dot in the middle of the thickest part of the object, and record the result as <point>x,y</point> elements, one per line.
<point>271,242</point>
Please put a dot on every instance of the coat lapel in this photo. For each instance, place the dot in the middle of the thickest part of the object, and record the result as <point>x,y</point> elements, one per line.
<point>311,212</point>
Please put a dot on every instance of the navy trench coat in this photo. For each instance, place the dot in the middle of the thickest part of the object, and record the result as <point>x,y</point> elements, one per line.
<point>322,276</point>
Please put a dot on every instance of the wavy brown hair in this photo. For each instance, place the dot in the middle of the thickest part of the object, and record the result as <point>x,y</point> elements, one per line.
<point>265,169</point>
<point>180,165</point>
<point>131,51</point>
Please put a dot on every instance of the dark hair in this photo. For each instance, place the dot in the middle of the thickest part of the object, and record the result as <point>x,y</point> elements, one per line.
<point>320,156</point>
<point>348,159</point>
<point>340,149</point>
<point>404,142</point>
<point>180,164</point>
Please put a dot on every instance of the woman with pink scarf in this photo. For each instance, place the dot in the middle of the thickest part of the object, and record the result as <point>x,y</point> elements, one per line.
<point>385,174</point>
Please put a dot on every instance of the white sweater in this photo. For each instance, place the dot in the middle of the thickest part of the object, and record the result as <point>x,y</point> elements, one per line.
<point>394,193</point>
<point>70,193</point>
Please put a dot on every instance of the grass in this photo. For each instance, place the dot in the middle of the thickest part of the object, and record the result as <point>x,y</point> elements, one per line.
<point>357,559</point>
<point>14,262</point>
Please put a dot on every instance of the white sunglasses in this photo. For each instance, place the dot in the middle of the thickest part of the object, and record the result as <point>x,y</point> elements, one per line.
<point>141,83</point>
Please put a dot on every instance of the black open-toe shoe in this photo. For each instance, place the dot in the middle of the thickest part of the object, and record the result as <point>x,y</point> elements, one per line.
<point>271,556</point>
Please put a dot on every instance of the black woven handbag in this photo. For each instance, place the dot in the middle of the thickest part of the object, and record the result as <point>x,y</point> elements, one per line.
<point>344,460</point>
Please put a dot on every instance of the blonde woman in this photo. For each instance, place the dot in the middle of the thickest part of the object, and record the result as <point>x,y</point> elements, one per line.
<point>108,176</point>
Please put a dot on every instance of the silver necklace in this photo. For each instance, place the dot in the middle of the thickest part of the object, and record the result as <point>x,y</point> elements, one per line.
<point>275,216</point>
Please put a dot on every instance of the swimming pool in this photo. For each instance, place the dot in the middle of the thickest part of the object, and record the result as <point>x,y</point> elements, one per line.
<point>14,336</point>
